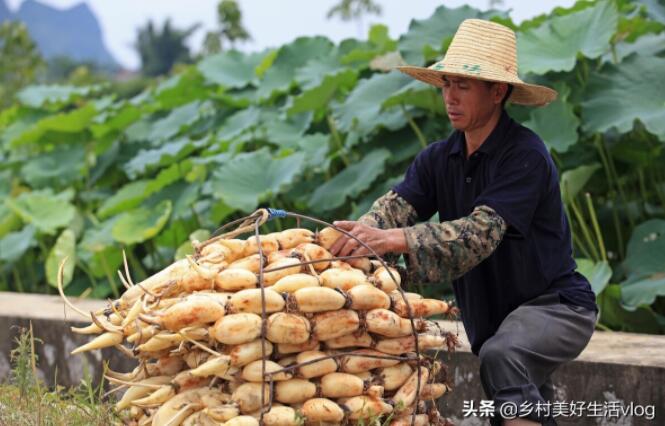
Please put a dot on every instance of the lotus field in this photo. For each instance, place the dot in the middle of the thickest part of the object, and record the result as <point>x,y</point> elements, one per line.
<point>324,129</point>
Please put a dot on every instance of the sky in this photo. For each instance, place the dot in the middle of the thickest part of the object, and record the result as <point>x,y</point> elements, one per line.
<point>270,22</point>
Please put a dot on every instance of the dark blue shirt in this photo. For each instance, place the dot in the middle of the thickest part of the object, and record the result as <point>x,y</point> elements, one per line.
<point>513,173</point>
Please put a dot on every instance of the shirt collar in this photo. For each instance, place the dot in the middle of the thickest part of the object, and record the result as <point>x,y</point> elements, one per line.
<point>493,141</point>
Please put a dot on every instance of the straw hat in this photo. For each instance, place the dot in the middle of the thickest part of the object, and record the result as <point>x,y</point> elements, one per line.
<point>483,50</point>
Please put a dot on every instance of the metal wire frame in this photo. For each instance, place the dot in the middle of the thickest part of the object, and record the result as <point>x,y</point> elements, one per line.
<point>262,216</point>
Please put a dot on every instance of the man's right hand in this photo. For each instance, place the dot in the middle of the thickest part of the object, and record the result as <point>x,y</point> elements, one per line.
<point>380,240</point>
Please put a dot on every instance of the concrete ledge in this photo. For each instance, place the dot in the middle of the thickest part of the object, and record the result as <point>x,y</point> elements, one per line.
<point>51,321</point>
<point>614,367</point>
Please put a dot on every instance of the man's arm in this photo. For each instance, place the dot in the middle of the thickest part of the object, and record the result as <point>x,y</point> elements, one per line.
<point>387,215</point>
<point>433,252</point>
<point>437,252</point>
<point>390,211</point>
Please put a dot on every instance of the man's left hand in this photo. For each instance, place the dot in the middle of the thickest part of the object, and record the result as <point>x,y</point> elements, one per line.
<point>380,240</point>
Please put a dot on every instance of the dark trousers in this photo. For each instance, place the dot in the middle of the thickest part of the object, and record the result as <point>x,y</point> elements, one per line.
<point>516,363</point>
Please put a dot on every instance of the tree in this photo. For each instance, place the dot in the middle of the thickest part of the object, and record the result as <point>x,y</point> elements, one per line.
<point>231,29</point>
<point>20,60</point>
<point>62,69</point>
<point>160,50</point>
<point>349,10</point>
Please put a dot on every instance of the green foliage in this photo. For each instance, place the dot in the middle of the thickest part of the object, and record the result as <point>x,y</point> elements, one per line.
<point>349,183</point>
<point>362,112</point>
<point>290,57</point>
<point>79,73</point>
<point>230,20</point>
<point>26,401</point>
<point>314,126</point>
<point>23,358</point>
<point>615,316</point>
<point>599,274</point>
<point>572,181</point>
<point>428,38</point>
<point>142,223</point>
<point>38,96</point>
<point>15,244</point>
<point>348,10</point>
<point>556,123</point>
<point>251,178</point>
<point>66,122</point>
<point>231,28</point>
<point>554,45</point>
<point>231,69</point>
<point>619,95</point>
<point>159,50</point>
<point>20,60</point>
<point>46,211</point>
<point>57,168</point>
<point>320,82</point>
<point>645,265</point>
<point>64,248</point>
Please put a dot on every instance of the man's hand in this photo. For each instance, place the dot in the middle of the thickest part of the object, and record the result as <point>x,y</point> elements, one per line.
<point>380,240</point>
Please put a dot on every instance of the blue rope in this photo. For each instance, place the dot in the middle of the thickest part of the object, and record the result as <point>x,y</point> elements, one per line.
<point>273,213</point>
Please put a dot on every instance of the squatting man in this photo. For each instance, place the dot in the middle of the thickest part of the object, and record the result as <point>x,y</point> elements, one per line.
<point>503,239</point>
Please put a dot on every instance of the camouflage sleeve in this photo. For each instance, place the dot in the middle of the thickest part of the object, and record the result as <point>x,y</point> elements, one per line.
<point>440,252</point>
<point>390,211</point>
<point>387,212</point>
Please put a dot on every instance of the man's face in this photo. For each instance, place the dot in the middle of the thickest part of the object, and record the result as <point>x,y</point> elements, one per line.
<point>470,103</point>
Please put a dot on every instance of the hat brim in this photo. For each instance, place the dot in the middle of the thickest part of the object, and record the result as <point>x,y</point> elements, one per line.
<point>522,94</point>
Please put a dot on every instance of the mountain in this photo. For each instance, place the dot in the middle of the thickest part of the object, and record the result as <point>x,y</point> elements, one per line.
<point>73,32</point>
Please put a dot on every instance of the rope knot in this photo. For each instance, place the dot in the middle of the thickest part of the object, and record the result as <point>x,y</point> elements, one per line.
<point>276,213</point>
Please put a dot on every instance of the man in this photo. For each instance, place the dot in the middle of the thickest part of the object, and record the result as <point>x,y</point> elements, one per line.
<point>504,239</point>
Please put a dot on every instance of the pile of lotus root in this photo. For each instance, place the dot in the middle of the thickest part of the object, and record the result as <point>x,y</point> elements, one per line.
<point>273,330</point>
